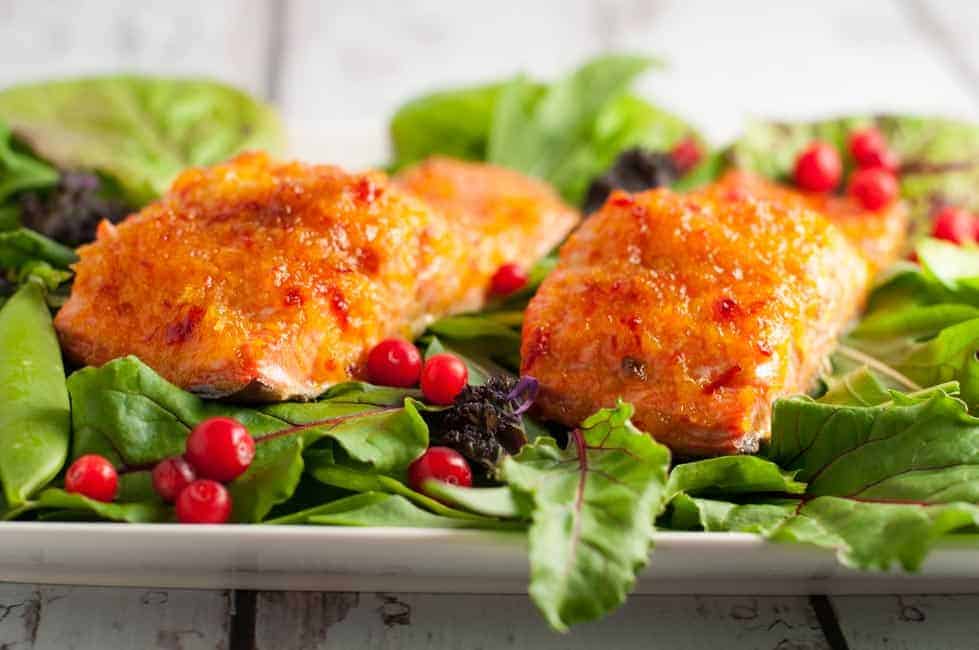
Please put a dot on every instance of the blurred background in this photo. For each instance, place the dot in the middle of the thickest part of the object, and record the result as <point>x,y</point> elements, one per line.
<point>340,67</point>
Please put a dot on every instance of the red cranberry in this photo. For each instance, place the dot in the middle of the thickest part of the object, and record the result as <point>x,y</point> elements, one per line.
<point>394,362</point>
<point>508,279</point>
<point>686,154</point>
<point>92,476</point>
<point>874,187</point>
<point>171,476</point>
<point>441,464</point>
<point>220,449</point>
<point>204,502</point>
<point>443,377</point>
<point>818,168</point>
<point>869,149</point>
<point>955,225</point>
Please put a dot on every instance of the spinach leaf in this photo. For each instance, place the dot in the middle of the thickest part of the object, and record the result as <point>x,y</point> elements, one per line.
<point>691,513</point>
<point>138,131</point>
<point>20,171</point>
<point>134,513</point>
<point>488,501</point>
<point>592,507</point>
<point>382,509</point>
<point>732,475</point>
<point>34,408</point>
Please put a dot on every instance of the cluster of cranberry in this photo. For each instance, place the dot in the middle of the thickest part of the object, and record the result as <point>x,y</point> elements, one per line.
<point>874,183</point>
<point>218,450</point>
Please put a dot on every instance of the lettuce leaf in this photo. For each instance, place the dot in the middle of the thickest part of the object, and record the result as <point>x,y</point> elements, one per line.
<point>138,131</point>
<point>566,132</point>
<point>20,171</point>
<point>592,506</point>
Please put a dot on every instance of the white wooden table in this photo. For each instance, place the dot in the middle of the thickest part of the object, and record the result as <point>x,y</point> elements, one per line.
<point>353,61</point>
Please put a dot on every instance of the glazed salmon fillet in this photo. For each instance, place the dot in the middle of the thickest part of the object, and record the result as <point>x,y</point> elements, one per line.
<point>268,281</point>
<point>699,309</point>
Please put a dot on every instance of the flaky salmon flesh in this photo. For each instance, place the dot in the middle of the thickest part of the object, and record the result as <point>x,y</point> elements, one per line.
<point>266,281</point>
<point>702,309</point>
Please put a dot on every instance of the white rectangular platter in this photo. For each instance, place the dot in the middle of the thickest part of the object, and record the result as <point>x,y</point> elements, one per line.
<point>425,560</point>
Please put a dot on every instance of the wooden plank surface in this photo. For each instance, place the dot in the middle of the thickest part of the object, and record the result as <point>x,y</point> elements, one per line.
<point>416,621</point>
<point>909,622</point>
<point>45,617</point>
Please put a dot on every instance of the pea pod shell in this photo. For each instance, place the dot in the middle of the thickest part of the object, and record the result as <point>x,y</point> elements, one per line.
<point>34,410</point>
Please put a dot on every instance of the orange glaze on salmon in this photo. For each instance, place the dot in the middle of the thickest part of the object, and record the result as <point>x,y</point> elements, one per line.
<point>879,235</point>
<point>699,309</point>
<point>270,281</point>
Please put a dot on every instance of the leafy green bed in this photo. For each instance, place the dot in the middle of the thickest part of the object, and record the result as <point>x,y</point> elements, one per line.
<point>878,464</point>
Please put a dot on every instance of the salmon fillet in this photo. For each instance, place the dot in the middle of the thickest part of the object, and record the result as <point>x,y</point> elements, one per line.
<point>699,309</point>
<point>269,281</point>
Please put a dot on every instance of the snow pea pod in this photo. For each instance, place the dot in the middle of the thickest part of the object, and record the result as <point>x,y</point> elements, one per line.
<point>34,410</point>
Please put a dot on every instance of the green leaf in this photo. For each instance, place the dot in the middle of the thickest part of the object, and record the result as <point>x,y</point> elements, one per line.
<point>473,327</point>
<point>593,506</point>
<point>732,475</point>
<point>566,133</point>
<point>271,479</point>
<point>875,535</point>
<point>955,267</point>
<point>885,481</point>
<point>553,139</point>
<point>387,438</point>
<point>20,171</point>
<point>381,509</point>
<point>452,123</point>
<point>913,321</point>
<point>921,448</point>
<point>139,131</point>
<point>689,513</point>
<point>857,388</point>
<point>473,354</point>
<point>134,513</point>
<point>489,501</point>
<point>34,408</point>
<point>50,277</point>
<point>359,480</point>
<point>21,246</point>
